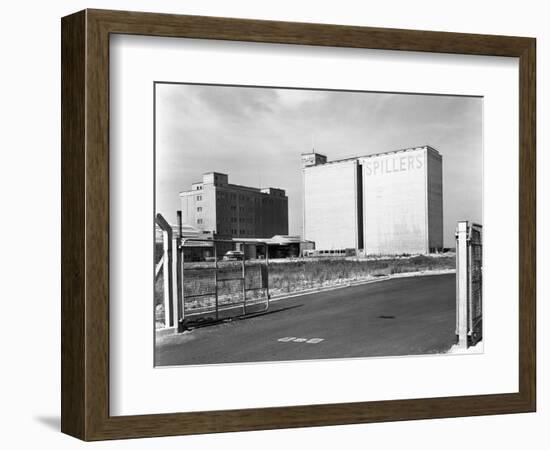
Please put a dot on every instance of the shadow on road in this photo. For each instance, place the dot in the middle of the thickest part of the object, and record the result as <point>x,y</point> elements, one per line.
<point>268,312</point>
<point>209,322</point>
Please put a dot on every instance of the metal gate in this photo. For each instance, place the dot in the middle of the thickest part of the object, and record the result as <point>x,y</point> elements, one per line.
<point>469,284</point>
<point>209,279</point>
<point>216,281</point>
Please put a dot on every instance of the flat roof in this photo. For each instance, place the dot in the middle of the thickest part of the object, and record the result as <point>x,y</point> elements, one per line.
<point>239,187</point>
<point>312,152</point>
<point>274,240</point>
<point>372,155</point>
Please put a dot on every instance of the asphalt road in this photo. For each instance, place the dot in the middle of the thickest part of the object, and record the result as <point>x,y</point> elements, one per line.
<point>403,316</point>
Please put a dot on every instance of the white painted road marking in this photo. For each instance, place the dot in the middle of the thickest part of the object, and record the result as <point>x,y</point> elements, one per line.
<point>296,339</point>
<point>286,339</point>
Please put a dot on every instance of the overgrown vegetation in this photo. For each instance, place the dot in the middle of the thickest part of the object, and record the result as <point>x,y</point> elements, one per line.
<point>303,274</point>
<point>290,276</point>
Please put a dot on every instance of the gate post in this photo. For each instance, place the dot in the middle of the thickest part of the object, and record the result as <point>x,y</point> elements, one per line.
<point>462,284</point>
<point>180,312</point>
<point>167,276</point>
<point>175,283</point>
<point>266,247</point>
<point>167,269</point>
<point>216,281</point>
<point>243,274</point>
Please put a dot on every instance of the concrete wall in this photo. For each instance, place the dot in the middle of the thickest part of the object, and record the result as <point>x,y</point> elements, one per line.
<point>395,197</point>
<point>388,203</point>
<point>198,208</point>
<point>330,205</point>
<point>435,200</point>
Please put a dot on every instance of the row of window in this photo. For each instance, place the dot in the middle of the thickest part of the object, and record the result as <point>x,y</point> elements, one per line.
<point>312,252</point>
<point>264,201</point>
<point>237,220</point>
<point>237,232</point>
<point>256,201</point>
<point>242,231</point>
<point>249,220</point>
<point>242,209</point>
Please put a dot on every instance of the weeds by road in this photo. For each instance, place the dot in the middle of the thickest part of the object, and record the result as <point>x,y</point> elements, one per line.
<point>288,276</point>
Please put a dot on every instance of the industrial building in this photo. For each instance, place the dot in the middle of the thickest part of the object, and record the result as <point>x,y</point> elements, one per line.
<point>384,203</point>
<point>234,211</point>
<point>277,247</point>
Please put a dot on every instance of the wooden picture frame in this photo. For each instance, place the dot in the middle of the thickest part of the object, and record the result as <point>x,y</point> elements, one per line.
<point>85,224</point>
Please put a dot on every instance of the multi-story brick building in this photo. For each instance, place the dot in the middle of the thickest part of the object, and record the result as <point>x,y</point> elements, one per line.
<point>214,204</point>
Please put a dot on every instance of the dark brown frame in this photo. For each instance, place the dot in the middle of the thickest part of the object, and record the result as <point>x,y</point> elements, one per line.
<point>85,224</point>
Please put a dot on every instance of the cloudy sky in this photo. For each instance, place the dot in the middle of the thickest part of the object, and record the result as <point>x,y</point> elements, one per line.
<point>256,136</point>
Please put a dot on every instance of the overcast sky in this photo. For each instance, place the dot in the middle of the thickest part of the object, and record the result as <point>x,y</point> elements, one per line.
<point>256,136</point>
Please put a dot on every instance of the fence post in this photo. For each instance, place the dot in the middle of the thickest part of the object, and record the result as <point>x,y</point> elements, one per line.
<point>267,272</point>
<point>166,275</point>
<point>175,284</point>
<point>216,280</point>
<point>462,284</point>
<point>166,269</point>
<point>244,277</point>
<point>179,278</point>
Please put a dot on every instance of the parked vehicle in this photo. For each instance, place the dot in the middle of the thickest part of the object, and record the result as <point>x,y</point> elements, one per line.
<point>233,255</point>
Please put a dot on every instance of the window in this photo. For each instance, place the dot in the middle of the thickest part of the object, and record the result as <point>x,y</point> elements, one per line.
<point>199,221</point>
<point>199,208</point>
<point>199,197</point>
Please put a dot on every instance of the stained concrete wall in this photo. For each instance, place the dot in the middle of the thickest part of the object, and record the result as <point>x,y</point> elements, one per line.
<point>330,205</point>
<point>395,202</point>
<point>435,200</point>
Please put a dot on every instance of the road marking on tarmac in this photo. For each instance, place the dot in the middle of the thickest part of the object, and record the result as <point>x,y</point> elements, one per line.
<point>286,339</point>
<point>304,340</point>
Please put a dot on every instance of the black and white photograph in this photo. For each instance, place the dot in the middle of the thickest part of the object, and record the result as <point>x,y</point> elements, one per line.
<point>296,224</point>
<point>252,225</point>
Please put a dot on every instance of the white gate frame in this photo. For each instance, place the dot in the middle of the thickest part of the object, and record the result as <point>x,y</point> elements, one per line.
<point>166,265</point>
